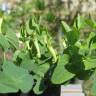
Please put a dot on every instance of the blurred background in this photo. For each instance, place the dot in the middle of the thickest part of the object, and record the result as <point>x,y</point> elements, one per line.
<point>50,11</point>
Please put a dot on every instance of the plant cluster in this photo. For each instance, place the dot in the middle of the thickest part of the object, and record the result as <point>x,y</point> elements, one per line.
<point>37,64</point>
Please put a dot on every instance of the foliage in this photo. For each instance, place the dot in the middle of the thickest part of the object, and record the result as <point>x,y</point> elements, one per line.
<point>38,61</point>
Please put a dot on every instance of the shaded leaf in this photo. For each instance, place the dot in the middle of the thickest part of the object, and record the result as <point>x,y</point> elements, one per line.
<point>39,86</point>
<point>36,68</point>
<point>61,74</point>
<point>89,63</point>
<point>73,36</point>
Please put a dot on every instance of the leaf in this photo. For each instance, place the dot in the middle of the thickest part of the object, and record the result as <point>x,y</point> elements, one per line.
<point>15,78</point>
<point>66,28</point>
<point>90,23</point>
<point>36,68</point>
<point>50,17</point>
<point>90,39</point>
<point>29,26</point>
<point>39,86</point>
<point>40,4</point>
<point>89,63</point>
<point>15,55</point>
<point>93,46</point>
<point>42,69</point>
<point>33,24</point>
<point>28,64</point>
<point>23,54</point>
<point>6,84</point>
<point>83,49</point>
<point>63,60</point>
<point>92,86</point>
<point>79,23</point>
<point>73,36</point>
<point>4,43</point>
<point>94,89</point>
<point>12,39</point>
<point>61,74</point>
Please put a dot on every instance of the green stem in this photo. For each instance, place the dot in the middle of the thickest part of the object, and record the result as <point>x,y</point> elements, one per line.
<point>37,47</point>
<point>1,19</point>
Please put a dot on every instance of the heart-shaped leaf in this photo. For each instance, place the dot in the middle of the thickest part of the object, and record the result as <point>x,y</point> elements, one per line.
<point>61,74</point>
<point>14,78</point>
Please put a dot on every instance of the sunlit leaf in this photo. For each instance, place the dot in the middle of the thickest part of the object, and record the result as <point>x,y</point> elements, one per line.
<point>61,74</point>
<point>14,78</point>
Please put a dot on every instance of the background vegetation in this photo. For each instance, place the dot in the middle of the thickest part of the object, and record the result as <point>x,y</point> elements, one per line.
<point>35,20</point>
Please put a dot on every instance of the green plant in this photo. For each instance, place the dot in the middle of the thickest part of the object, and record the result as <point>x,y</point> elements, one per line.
<point>81,50</point>
<point>37,61</point>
